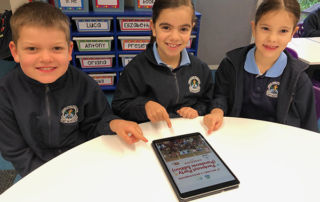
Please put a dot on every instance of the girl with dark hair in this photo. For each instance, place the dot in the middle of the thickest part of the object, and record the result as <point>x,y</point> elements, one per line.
<point>263,81</point>
<point>165,81</point>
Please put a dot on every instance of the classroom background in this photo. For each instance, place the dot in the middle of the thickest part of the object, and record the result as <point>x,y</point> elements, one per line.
<point>225,24</point>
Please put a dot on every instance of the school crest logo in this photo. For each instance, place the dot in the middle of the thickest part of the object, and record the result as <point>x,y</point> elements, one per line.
<point>194,84</point>
<point>69,114</point>
<point>272,90</point>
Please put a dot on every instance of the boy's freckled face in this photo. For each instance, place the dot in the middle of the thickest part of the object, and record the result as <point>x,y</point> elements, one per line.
<point>43,53</point>
<point>272,33</point>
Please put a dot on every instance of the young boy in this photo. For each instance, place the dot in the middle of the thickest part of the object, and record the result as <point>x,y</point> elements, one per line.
<point>46,105</point>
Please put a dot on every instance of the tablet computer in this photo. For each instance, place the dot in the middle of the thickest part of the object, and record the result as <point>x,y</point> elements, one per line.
<point>193,167</point>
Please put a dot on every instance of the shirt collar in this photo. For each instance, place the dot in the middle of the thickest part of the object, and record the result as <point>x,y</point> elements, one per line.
<point>185,60</point>
<point>276,69</point>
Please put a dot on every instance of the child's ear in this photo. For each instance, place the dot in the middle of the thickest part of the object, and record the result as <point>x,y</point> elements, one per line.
<point>14,51</point>
<point>70,50</point>
<point>153,29</point>
<point>253,28</point>
<point>295,30</point>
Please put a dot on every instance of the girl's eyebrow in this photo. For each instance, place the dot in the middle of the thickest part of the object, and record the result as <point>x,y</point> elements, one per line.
<point>164,24</point>
<point>282,27</point>
<point>285,27</point>
<point>264,25</point>
<point>167,24</point>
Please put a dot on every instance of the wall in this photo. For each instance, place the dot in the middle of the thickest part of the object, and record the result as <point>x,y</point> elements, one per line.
<point>225,25</point>
<point>4,5</point>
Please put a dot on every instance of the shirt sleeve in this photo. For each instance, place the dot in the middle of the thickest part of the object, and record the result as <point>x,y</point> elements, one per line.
<point>12,144</point>
<point>305,103</point>
<point>98,114</point>
<point>128,101</point>
<point>222,89</point>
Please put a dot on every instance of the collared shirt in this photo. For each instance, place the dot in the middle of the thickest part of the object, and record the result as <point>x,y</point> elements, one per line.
<point>261,90</point>
<point>185,60</point>
<point>275,71</point>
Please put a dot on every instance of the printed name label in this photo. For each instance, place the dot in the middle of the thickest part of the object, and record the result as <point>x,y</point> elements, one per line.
<point>146,2</point>
<point>97,62</point>
<point>108,2</point>
<point>71,3</point>
<point>140,45</point>
<point>94,45</point>
<point>94,25</point>
<point>136,25</point>
<point>103,80</point>
<point>126,61</point>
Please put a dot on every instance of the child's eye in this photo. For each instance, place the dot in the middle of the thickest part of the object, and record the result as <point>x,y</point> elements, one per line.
<point>265,28</point>
<point>184,29</point>
<point>284,31</point>
<point>58,48</point>
<point>165,27</point>
<point>31,48</point>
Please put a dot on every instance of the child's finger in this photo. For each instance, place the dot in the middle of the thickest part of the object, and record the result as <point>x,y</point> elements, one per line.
<point>167,119</point>
<point>210,129</point>
<point>136,133</point>
<point>140,136</point>
<point>217,125</point>
<point>125,137</point>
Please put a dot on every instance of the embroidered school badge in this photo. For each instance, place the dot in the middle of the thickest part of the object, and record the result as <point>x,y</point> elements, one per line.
<point>272,90</point>
<point>69,114</point>
<point>194,84</point>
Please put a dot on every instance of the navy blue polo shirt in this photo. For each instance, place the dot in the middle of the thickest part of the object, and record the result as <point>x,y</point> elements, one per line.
<point>260,92</point>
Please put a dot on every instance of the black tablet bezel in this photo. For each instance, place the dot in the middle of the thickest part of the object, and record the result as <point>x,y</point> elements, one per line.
<point>202,191</point>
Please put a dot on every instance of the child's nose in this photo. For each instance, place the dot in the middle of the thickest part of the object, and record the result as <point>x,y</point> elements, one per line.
<point>272,36</point>
<point>46,56</point>
<point>175,34</point>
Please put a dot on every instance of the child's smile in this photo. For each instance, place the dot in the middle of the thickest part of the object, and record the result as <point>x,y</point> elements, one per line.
<point>272,33</point>
<point>43,53</point>
<point>172,33</point>
<point>270,47</point>
<point>46,69</point>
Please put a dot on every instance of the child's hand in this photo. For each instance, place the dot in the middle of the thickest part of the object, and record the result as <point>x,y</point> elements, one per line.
<point>188,112</point>
<point>129,131</point>
<point>156,112</point>
<point>214,120</point>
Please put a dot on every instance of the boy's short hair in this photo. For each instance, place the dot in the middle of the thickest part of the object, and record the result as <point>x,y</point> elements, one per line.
<point>39,14</point>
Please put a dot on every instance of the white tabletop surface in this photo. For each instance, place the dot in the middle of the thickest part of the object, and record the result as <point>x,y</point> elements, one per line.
<point>317,39</point>
<point>308,49</point>
<point>273,162</point>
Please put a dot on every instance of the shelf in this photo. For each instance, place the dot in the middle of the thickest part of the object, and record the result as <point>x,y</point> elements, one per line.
<point>94,52</point>
<point>115,32</point>
<point>108,87</point>
<point>107,69</point>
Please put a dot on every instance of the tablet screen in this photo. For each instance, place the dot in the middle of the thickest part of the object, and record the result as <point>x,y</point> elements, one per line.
<point>193,164</point>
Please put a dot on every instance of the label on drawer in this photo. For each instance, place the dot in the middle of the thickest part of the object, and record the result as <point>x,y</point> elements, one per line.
<point>145,3</point>
<point>126,61</point>
<point>96,62</point>
<point>95,45</point>
<point>135,25</point>
<point>107,3</point>
<point>103,79</point>
<point>71,3</point>
<point>135,44</point>
<point>102,25</point>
